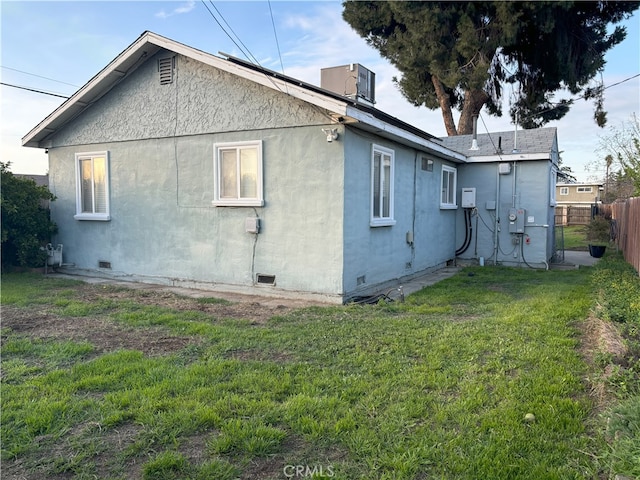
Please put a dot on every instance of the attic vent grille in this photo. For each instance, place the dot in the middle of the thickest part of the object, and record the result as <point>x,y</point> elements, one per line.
<point>165,68</point>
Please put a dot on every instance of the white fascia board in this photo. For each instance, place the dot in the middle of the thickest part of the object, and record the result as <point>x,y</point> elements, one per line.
<point>90,91</point>
<point>113,73</point>
<point>383,126</point>
<point>512,157</point>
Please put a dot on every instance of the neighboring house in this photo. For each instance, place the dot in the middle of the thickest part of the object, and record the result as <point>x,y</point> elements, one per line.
<point>574,201</point>
<point>178,167</point>
<point>578,194</point>
<point>41,180</point>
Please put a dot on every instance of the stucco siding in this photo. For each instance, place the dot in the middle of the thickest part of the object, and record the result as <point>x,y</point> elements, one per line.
<point>196,102</point>
<point>163,225</point>
<point>375,255</point>
<point>525,187</point>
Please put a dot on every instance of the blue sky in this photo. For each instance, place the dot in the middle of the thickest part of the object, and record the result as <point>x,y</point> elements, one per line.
<point>58,46</point>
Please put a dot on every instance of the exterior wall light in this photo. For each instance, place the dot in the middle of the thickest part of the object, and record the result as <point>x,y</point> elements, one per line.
<point>331,133</point>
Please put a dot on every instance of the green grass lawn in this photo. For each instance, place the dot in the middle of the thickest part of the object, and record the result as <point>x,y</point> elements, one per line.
<point>574,237</point>
<point>437,387</point>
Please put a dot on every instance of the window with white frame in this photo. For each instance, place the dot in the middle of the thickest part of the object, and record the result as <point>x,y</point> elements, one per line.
<point>92,186</point>
<point>238,174</point>
<point>382,173</point>
<point>448,187</point>
<point>585,190</point>
<point>564,190</point>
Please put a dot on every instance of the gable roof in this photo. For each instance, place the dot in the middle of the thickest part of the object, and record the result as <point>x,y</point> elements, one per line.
<point>342,109</point>
<point>532,144</point>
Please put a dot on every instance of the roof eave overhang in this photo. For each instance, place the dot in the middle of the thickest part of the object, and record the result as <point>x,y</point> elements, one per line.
<point>93,90</point>
<point>511,157</point>
<point>370,123</point>
<point>148,44</point>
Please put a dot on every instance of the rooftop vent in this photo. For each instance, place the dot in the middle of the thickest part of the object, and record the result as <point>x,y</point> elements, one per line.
<point>353,81</point>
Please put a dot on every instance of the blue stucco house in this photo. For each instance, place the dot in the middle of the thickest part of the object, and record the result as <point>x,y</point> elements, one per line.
<point>175,166</point>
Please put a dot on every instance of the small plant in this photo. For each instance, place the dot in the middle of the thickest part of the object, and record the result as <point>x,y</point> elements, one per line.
<point>599,230</point>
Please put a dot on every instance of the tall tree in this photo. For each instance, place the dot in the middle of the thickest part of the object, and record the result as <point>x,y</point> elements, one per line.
<point>460,55</point>
<point>621,150</point>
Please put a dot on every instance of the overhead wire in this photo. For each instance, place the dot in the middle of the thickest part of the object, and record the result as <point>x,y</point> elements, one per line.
<point>246,52</point>
<point>33,90</point>
<point>250,57</point>
<point>581,97</point>
<point>275,34</point>
<point>39,76</point>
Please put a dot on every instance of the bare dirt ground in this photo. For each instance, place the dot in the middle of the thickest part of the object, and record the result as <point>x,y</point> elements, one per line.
<point>107,336</point>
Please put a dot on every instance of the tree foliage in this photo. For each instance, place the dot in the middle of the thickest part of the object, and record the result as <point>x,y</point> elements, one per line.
<point>26,224</point>
<point>621,156</point>
<point>461,55</point>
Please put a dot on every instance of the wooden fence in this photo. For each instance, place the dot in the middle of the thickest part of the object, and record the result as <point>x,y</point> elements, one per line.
<point>572,215</point>
<point>627,221</point>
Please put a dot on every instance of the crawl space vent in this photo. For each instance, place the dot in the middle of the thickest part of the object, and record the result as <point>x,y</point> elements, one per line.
<point>165,69</point>
<point>103,264</point>
<point>266,279</point>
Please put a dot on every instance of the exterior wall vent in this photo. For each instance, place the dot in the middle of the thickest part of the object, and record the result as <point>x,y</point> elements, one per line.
<point>103,264</point>
<point>165,69</point>
<point>427,164</point>
<point>353,81</point>
<point>263,279</point>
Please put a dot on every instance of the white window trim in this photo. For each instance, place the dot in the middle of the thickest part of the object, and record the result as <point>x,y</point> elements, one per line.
<point>454,205</point>
<point>80,215</point>
<point>564,190</point>
<point>390,220</point>
<point>584,189</point>
<point>553,181</point>
<point>237,202</point>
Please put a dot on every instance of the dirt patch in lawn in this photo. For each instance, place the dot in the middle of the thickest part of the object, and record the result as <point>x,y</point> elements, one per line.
<point>108,335</point>
<point>600,341</point>
<point>53,457</point>
<point>105,335</point>
<point>218,308</point>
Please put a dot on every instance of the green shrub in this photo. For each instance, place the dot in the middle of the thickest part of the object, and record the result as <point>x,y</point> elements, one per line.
<point>26,225</point>
<point>598,231</point>
<point>618,285</point>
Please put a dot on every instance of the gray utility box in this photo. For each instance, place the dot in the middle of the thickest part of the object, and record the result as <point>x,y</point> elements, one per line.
<point>516,220</point>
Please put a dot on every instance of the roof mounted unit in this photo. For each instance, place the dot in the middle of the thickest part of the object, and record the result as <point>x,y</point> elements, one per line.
<point>353,81</point>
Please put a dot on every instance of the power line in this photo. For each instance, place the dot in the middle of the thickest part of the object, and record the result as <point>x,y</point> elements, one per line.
<point>581,97</point>
<point>33,90</point>
<point>275,34</point>
<point>246,53</point>
<point>40,76</point>
<point>622,81</point>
